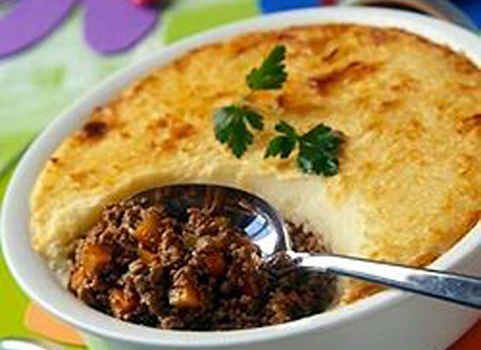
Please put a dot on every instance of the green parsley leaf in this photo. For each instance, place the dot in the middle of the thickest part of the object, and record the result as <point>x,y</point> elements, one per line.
<point>319,148</point>
<point>282,145</point>
<point>286,129</point>
<point>271,74</point>
<point>231,127</point>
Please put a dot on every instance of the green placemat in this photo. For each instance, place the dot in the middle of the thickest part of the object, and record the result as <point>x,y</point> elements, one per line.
<point>188,19</point>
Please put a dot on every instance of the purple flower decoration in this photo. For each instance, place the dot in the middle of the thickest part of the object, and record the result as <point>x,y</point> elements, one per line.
<point>110,25</point>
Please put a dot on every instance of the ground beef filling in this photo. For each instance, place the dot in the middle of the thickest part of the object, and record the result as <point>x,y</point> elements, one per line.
<point>143,265</point>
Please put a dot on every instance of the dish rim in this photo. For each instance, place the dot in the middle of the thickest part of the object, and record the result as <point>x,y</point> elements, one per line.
<point>32,274</point>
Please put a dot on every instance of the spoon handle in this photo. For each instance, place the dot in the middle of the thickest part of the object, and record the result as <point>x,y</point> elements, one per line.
<point>460,289</point>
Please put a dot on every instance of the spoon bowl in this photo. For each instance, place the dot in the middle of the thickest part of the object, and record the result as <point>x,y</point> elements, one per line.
<point>265,227</point>
<point>246,211</point>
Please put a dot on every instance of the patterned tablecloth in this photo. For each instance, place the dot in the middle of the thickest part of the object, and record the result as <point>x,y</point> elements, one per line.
<point>37,84</point>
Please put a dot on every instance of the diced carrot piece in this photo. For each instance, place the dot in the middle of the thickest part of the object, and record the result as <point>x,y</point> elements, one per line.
<point>184,294</point>
<point>184,297</point>
<point>94,257</point>
<point>122,303</point>
<point>147,231</point>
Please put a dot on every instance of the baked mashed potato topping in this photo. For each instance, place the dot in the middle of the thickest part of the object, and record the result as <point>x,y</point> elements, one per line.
<point>409,184</point>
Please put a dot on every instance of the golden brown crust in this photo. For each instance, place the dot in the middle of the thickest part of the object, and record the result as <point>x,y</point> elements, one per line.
<point>410,110</point>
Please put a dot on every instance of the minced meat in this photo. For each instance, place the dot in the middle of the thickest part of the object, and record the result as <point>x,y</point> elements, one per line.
<point>143,264</point>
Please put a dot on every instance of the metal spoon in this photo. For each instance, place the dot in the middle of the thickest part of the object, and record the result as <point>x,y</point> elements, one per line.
<point>266,228</point>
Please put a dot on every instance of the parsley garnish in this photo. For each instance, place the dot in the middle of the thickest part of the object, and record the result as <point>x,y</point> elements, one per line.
<point>271,74</point>
<point>231,127</point>
<point>231,121</point>
<point>318,148</point>
<point>282,145</point>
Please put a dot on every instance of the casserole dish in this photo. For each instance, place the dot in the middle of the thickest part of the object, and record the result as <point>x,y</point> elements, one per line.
<point>389,319</point>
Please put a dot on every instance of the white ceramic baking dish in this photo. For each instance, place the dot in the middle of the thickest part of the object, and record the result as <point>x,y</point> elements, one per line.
<point>389,320</point>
